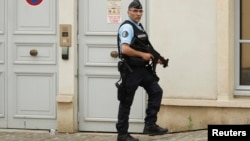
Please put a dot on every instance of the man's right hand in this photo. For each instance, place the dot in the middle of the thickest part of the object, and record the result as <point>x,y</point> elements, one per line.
<point>146,56</point>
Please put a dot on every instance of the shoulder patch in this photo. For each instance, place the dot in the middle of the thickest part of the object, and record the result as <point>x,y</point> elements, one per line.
<point>125,34</point>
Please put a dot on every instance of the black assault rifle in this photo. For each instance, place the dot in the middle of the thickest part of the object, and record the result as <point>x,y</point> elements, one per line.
<point>150,49</point>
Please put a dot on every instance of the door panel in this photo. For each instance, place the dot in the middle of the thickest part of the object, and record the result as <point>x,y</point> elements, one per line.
<point>98,104</point>
<point>3,66</point>
<point>30,99</point>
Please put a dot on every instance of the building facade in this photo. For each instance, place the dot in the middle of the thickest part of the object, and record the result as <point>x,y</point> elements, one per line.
<point>58,63</point>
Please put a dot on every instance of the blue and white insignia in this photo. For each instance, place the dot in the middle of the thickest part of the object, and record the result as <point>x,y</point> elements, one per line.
<point>125,34</point>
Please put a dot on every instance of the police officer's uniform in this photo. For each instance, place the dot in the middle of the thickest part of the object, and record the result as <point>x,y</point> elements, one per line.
<point>141,75</point>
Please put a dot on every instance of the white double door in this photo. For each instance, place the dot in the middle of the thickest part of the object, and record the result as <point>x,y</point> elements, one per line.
<point>98,104</point>
<point>28,64</point>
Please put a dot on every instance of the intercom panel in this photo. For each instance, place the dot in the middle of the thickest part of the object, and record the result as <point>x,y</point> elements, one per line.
<point>65,35</point>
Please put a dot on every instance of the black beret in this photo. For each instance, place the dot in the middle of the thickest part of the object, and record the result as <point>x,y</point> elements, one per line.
<point>135,4</point>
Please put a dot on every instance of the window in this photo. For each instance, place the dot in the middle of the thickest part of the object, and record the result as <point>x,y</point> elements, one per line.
<point>242,44</point>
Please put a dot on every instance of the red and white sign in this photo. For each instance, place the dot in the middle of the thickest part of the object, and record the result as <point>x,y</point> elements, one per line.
<point>34,2</point>
<point>114,11</point>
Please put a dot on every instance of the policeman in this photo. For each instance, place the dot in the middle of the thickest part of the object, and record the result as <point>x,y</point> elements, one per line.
<point>136,71</point>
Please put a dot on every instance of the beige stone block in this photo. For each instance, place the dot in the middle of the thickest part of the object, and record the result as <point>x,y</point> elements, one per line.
<point>65,113</point>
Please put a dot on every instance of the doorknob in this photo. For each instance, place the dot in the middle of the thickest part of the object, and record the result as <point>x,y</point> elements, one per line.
<point>33,52</point>
<point>114,54</point>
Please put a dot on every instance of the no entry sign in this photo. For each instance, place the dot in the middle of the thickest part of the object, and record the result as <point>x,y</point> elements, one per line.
<point>34,2</point>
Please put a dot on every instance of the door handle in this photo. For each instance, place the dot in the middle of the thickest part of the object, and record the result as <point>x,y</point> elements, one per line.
<point>114,54</point>
<point>33,52</point>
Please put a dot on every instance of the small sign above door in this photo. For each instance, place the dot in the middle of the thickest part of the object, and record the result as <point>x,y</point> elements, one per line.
<point>34,2</point>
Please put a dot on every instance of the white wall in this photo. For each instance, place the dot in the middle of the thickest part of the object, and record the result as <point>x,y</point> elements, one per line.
<point>67,89</point>
<point>67,68</point>
<point>185,32</point>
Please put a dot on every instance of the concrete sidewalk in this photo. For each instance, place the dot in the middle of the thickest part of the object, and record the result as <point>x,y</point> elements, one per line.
<point>42,135</point>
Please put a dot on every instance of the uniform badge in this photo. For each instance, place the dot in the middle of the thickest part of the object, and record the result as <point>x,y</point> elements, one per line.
<point>125,34</point>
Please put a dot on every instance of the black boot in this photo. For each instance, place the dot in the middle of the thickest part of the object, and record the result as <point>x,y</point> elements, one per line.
<point>154,129</point>
<point>126,137</point>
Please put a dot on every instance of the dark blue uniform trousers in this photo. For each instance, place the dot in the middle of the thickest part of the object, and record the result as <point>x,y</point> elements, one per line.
<point>140,76</point>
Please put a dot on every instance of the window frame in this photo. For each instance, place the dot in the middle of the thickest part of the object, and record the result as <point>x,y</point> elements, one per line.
<point>239,89</point>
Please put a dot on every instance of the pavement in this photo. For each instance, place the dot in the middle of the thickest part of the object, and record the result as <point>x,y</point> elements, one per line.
<point>44,135</point>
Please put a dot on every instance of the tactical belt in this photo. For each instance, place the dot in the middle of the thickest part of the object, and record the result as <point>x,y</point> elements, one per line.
<point>136,62</point>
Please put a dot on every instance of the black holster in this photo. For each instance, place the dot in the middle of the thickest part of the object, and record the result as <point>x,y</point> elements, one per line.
<point>123,68</point>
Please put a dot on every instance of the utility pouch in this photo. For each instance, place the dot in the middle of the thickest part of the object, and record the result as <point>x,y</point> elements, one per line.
<point>124,94</point>
<point>120,66</point>
<point>121,92</point>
